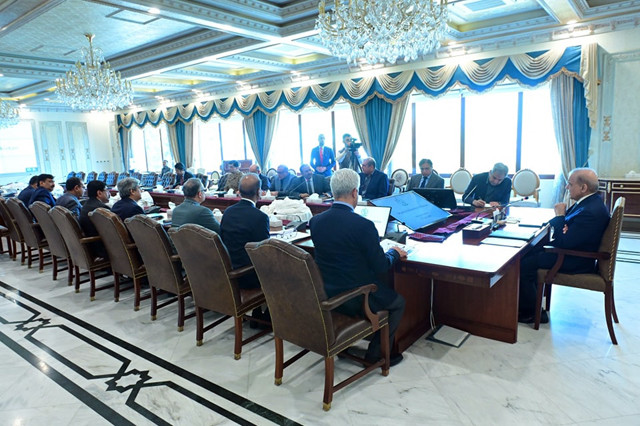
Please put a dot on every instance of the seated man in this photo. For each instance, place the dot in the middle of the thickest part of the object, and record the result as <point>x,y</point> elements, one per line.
<point>165,168</point>
<point>493,188</point>
<point>74,189</point>
<point>182,175</point>
<point>323,159</point>
<point>43,191</point>
<point>307,184</point>
<point>348,253</point>
<point>373,183</point>
<point>190,210</point>
<point>264,181</point>
<point>130,194</point>
<point>231,179</point>
<point>243,223</point>
<point>25,194</point>
<point>98,197</point>
<point>578,228</point>
<point>426,178</point>
<point>281,181</point>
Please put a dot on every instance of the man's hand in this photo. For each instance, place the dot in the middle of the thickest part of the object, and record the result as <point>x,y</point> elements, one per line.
<point>560,209</point>
<point>304,195</point>
<point>478,203</point>
<point>401,252</point>
<point>494,204</point>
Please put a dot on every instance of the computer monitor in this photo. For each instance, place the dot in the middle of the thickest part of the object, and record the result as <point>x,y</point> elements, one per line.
<point>378,215</point>
<point>441,197</point>
<point>413,210</point>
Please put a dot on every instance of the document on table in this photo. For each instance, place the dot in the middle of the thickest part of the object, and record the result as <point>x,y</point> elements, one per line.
<point>505,242</point>
<point>386,244</point>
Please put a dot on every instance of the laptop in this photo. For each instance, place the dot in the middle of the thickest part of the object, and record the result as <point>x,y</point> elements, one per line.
<point>378,215</point>
<point>412,210</point>
<point>440,197</point>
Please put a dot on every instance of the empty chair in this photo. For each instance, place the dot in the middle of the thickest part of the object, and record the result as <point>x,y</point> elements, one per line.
<point>102,177</point>
<point>203,178</point>
<point>80,175</point>
<point>91,176</point>
<point>166,270</point>
<point>4,233</point>
<point>215,177</point>
<point>526,183</point>
<point>80,251</point>
<point>122,251</point>
<point>601,280</point>
<point>400,178</point>
<point>121,176</point>
<point>270,173</point>
<point>137,175</point>
<point>57,247</point>
<point>460,180</point>
<point>302,314</point>
<point>168,180</point>
<point>112,179</point>
<point>14,232</point>
<point>33,236</point>
<point>149,180</point>
<point>70,175</point>
<point>213,283</point>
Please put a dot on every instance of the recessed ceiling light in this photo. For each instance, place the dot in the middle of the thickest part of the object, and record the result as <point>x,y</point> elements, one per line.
<point>154,10</point>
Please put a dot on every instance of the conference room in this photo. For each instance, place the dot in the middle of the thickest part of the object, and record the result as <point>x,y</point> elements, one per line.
<point>207,85</point>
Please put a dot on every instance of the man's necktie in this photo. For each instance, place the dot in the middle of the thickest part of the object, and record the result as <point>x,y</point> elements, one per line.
<point>321,162</point>
<point>423,182</point>
<point>309,186</point>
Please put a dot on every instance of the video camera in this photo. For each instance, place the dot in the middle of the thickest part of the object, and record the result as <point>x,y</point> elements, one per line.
<point>353,146</point>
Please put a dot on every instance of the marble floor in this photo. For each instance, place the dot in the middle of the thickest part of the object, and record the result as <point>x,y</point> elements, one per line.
<point>68,361</point>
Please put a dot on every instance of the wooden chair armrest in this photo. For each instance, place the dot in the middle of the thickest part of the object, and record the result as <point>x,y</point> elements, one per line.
<point>88,240</point>
<point>175,258</point>
<point>339,299</point>
<point>237,273</point>
<point>600,255</point>
<point>131,246</point>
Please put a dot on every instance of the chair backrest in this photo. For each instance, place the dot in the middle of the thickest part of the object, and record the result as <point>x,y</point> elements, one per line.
<point>293,289</point>
<point>169,179</point>
<point>155,249</point>
<point>400,177</point>
<point>102,177</point>
<point>391,187</point>
<point>206,261</point>
<point>112,179</point>
<point>80,175</point>
<point>149,180</point>
<point>70,175</point>
<point>271,173</point>
<point>31,231</point>
<point>525,183</point>
<point>116,239</point>
<point>91,177</point>
<point>14,232</point>
<point>72,234</point>
<point>137,175</point>
<point>215,177</point>
<point>57,247</point>
<point>122,176</point>
<point>203,178</point>
<point>610,240</point>
<point>459,180</point>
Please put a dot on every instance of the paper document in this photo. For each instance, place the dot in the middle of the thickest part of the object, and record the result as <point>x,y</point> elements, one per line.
<point>387,244</point>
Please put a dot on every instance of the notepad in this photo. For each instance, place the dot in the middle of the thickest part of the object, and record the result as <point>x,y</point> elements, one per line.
<point>515,233</point>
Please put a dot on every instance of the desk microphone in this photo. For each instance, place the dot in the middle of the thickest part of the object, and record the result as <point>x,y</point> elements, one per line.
<point>469,195</point>
<point>304,181</point>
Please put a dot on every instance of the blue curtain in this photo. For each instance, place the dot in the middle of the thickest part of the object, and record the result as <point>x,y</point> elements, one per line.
<point>181,139</point>
<point>260,126</point>
<point>378,113</point>
<point>581,128</point>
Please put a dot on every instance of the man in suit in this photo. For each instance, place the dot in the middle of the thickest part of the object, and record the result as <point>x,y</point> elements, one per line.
<point>74,189</point>
<point>98,197</point>
<point>493,188</point>
<point>322,158</point>
<point>578,228</point>
<point>182,175</point>
<point>348,254</point>
<point>264,181</point>
<point>243,223</point>
<point>426,178</point>
<point>130,194</point>
<point>307,184</point>
<point>373,183</point>
<point>43,191</point>
<point>25,194</point>
<point>231,179</point>
<point>165,168</point>
<point>190,210</point>
<point>280,182</point>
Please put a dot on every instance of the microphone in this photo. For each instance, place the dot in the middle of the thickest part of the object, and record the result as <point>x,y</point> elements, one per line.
<point>304,181</point>
<point>465,199</point>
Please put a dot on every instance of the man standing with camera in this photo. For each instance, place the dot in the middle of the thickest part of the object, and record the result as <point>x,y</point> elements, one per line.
<point>348,156</point>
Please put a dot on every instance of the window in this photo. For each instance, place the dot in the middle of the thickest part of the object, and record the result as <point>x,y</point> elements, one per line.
<point>314,122</point>
<point>149,146</point>
<point>401,158</point>
<point>539,146</point>
<point>233,144</point>
<point>17,149</point>
<point>345,124</point>
<point>206,145</point>
<point>285,147</point>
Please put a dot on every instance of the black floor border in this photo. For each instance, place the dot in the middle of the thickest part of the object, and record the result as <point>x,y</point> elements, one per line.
<point>204,383</point>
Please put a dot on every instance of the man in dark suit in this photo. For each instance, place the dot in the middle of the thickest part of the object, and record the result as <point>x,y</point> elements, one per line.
<point>373,183</point>
<point>280,182</point>
<point>264,181</point>
<point>25,194</point>
<point>426,178</point>
<point>165,168</point>
<point>493,188</point>
<point>307,184</point>
<point>348,253</point>
<point>578,228</point>
<point>43,191</point>
<point>69,200</point>
<point>190,210</point>
<point>243,223</point>
<point>322,158</point>
<point>182,175</point>
<point>98,197</point>
<point>130,194</point>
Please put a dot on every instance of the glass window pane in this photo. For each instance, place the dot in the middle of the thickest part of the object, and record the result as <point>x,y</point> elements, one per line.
<point>285,147</point>
<point>491,125</point>
<point>138,159</point>
<point>314,122</point>
<point>17,149</point>
<point>539,148</point>
<point>206,145</point>
<point>166,148</point>
<point>153,146</point>
<point>438,132</point>
<point>401,158</point>
<point>345,124</point>
<point>232,139</point>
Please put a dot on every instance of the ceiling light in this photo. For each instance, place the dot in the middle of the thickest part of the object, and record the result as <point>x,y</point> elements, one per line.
<point>9,114</point>
<point>93,84</point>
<point>154,10</point>
<point>382,30</point>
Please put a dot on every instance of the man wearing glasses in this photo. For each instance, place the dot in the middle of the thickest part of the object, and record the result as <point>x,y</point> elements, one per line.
<point>281,181</point>
<point>426,178</point>
<point>491,188</point>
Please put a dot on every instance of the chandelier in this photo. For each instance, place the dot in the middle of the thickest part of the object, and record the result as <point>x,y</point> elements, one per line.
<point>9,114</point>
<point>382,30</point>
<point>93,85</point>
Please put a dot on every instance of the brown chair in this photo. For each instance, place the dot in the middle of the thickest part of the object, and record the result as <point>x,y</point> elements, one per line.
<point>57,247</point>
<point>111,179</point>
<point>33,236</point>
<point>137,175</point>
<point>392,186</point>
<point>122,251</point>
<point>80,251</point>
<point>302,314</point>
<point>213,283</point>
<point>166,274</point>
<point>4,233</point>
<point>14,232</point>
<point>102,177</point>
<point>91,176</point>
<point>601,280</point>
<point>168,180</point>
<point>80,175</point>
<point>122,176</point>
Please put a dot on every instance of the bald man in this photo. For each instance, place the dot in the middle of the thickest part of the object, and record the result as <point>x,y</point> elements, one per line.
<point>579,227</point>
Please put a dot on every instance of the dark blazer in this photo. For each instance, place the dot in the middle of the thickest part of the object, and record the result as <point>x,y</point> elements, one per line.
<point>480,189</point>
<point>328,159</point>
<point>264,182</point>
<point>25,194</point>
<point>378,187</point>
<point>71,202</point>
<point>191,211</point>
<point>85,222</point>
<point>299,186</point>
<point>434,181</point>
<point>126,208</point>
<point>44,195</point>
<point>280,185</point>
<point>242,223</point>
<point>181,180</point>
<point>348,252</point>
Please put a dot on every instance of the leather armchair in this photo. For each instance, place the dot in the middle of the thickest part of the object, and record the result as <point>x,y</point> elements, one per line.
<point>57,247</point>
<point>33,236</point>
<point>14,232</point>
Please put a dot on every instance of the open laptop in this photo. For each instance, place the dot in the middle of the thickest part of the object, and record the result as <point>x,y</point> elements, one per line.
<point>440,197</point>
<point>412,210</point>
<point>378,215</point>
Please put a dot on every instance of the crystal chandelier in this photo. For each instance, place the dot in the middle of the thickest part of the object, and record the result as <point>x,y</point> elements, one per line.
<point>9,114</point>
<point>382,30</point>
<point>93,85</point>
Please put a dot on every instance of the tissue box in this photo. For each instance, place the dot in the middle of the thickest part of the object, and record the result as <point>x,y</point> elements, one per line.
<point>475,232</point>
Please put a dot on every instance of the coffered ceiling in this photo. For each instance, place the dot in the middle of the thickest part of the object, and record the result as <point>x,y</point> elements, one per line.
<point>178,51</point>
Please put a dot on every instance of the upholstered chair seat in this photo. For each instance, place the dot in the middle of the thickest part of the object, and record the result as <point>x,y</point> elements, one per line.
<point>459,180</point>
<point>57,247</point>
